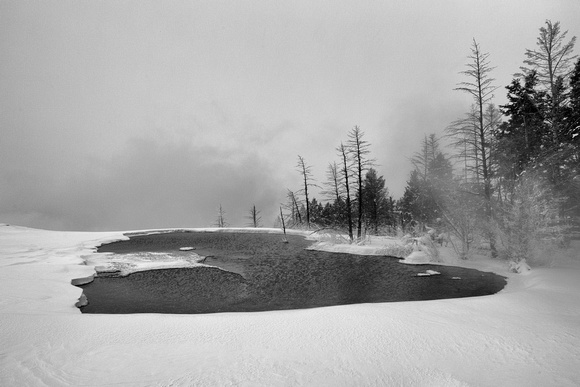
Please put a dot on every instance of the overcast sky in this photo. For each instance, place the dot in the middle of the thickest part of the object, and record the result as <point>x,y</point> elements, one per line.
<point>118,115</point>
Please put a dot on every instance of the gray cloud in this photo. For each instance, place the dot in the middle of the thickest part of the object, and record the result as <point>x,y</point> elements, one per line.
<point>149,184</point>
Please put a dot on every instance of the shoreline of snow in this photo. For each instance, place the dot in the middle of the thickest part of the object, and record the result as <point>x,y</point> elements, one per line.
<point>125,264</point>
<point>527,334</point>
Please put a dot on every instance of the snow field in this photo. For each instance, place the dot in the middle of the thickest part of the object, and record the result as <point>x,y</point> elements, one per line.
<point>528,334</point>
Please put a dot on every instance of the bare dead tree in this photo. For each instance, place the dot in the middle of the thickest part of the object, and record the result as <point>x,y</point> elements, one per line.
<point>479,85</point>
<point>306,172</point>
<point>221,218</point>
<point>285,240</point>
<point>292,206</point>
<point>345,170</point>
<point>334,190</point>
<point>472,143</point>
<point>254,217</point>
<point>358,149</point>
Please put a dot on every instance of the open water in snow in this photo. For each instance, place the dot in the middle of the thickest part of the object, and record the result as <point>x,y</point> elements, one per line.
<point>258,272</point>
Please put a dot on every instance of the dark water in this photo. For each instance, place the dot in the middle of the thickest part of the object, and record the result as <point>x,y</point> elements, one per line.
<point>259,272</point>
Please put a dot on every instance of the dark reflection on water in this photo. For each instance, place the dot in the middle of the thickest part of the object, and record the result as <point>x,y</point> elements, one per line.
<point>259,272</point>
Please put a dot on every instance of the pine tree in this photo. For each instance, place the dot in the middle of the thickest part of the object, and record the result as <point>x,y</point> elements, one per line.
<point>406,205</point>
<point>317,213</point>
<point>575,102</point>
<point>429,150</point>
<point>376,203</point>
<point>440,169</point>
<point>525,128</point>
<point>573,134</point>
<point>418,205</point>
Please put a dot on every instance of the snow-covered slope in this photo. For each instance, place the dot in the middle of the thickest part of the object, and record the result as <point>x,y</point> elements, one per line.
<point>526,335</point>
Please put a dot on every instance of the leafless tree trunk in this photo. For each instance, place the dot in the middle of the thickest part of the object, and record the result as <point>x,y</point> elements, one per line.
<point>293,207</point>
<point>359,149</point>
<point>333,183</point>
<point>254,217</point>
<point>306,172</point>
<point>479,86</point>
<point>283,224</point>
<point>221,218</point>
<point>346,174</point>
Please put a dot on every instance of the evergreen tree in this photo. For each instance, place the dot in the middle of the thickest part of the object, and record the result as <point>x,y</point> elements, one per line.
<point>440,179</point>
<point>405,205</point>
<point>376,203</point>
<point>317,213</point>
<point>525,131</point>
<point>440,169</point>
<point>338,213</point>
<point>573,203</point>
<point>573,133</point>
<point>575,104</point>
<point>418,205</point>
<point>422,159</point>
<point>424,197</point>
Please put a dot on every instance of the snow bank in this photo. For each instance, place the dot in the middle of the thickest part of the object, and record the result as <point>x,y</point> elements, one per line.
<point>370,245</point>
<point>528,334</point>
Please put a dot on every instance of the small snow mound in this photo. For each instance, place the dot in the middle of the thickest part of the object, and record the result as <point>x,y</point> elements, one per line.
<point>428,273</point>
<point>417,258</point>
<point>188,248</point>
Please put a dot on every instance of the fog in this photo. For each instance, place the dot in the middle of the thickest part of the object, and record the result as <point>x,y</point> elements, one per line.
<point>130,115</point>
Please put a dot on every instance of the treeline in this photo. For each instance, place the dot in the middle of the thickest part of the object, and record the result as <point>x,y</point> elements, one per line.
<point>356,198</point>
<point>516,184</point>
<point>511,178</point>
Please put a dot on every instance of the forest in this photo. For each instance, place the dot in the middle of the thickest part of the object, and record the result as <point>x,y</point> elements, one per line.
<point>504,178</point>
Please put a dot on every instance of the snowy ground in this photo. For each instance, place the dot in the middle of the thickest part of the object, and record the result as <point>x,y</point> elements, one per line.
<point>526,335</point>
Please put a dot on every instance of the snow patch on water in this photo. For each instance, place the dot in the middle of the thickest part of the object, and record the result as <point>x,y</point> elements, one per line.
<point>428,273</point>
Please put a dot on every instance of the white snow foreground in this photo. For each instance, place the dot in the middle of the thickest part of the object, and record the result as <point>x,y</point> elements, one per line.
<point>526,335</point>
